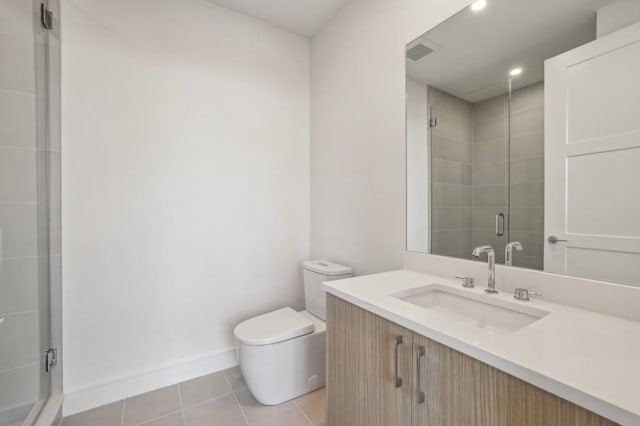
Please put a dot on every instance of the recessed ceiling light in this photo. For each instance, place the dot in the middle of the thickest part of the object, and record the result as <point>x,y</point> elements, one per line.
<point>516,71</point>
<point>478,5</point>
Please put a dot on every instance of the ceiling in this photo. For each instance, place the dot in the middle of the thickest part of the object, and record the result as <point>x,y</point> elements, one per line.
<point>474,51</point>
<point>303,17</point>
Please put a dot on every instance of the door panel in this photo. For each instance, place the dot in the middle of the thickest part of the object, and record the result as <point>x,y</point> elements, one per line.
<point>599,84</point>
<point>596,188</point>
<point>361,368</point>
<point>592,148</point>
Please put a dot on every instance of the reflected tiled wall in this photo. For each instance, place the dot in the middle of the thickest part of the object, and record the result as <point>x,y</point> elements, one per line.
<point>489,163</point>
<point>451,175</point>
<point>524,204</point>
<point>19,337</point>
<point>527,174</point>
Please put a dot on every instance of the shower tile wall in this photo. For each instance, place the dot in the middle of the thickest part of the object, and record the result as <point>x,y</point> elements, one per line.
<point>451,219</point>
<point>19,338</point>
<point>489,177</point>
<point>24,222</point>
<point>527,174</point>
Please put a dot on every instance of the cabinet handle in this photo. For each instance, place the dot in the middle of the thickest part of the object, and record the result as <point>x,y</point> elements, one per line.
<point>399,341</point>
<point>421,353</point>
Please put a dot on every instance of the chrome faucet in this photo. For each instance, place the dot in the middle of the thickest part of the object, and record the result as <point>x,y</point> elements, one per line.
<point>491,255</point>
<point>508,252</point>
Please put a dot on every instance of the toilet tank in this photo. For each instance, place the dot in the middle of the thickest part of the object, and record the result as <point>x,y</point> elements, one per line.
<point>316,272</point>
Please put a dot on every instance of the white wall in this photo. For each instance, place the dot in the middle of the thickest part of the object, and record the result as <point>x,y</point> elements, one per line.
<point>185,181</point>
<point>417,111</point>
<point>617,15</point>
<point>358,127</point>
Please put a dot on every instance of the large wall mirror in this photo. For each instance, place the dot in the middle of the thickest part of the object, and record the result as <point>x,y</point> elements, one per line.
<point>523,133</point>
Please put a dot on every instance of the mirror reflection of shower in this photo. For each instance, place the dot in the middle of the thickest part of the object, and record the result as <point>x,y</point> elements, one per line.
<point>477,161</point>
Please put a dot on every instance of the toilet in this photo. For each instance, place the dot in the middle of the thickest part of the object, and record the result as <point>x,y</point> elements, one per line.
<point>282,353</point>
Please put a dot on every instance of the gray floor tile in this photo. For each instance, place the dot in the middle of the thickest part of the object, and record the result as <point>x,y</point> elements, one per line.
<point>162,407</point>
<point>222,411</point>
<point>286,414</point>
<point>174,419</point>
<point>203,388</point>
<point>107,415</point>
<point>314,406</point>
<point>234,375</point>
<point>151,405</point>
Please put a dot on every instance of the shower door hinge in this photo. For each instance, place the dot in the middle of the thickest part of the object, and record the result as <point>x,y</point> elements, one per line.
<point>46,17</point>
<point>50,359</point>
<point>433,121</point>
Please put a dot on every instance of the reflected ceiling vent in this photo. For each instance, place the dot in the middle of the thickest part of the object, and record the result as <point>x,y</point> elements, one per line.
<point>419,51</point>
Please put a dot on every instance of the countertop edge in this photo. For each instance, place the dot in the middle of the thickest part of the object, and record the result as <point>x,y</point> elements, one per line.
<point>549,384</point>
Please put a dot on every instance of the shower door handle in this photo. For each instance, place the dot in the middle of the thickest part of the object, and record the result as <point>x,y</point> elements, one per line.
<point>500,224</point>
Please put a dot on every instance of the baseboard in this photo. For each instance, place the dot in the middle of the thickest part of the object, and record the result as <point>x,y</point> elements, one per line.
<point>50,414</point>
<point>107,393</point>
<point>13,415</point>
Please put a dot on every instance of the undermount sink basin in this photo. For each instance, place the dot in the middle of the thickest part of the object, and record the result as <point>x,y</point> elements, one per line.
<point>478,310</point>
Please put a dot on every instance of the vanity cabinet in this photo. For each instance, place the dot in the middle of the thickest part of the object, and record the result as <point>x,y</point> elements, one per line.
<point>382,374</point>
<point>367,383</point>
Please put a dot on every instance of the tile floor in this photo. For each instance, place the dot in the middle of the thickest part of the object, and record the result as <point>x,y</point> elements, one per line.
<point>219,399</point>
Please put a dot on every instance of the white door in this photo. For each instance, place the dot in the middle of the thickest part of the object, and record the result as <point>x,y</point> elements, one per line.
<point>592,159</point>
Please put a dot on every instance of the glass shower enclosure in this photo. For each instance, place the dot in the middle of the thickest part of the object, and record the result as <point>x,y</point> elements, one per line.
<point>30,249</point>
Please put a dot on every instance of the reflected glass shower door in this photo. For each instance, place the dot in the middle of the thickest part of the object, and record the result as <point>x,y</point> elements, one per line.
<point>450,154</point>
<point>526,169</point>
<point>29,206</point>
<point>490,164</point>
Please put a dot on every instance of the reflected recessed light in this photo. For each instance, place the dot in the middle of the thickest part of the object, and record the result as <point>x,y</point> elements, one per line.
<point>479,5</point>
<point>515,71</point>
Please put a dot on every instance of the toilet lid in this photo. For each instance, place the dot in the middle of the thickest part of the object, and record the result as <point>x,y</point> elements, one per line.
<point>273,327</point>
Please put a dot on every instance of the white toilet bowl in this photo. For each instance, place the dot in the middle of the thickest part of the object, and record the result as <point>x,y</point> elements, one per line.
<point>282,353</point>
<point>286,367</point>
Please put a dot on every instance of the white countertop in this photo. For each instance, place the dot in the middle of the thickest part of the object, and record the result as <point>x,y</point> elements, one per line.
<point>590,359</point>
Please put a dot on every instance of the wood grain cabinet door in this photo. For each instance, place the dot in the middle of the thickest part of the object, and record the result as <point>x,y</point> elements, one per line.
<point>460,391</point>
<point>520,403</point>
<point>363,351</point>
<point>457,390</point>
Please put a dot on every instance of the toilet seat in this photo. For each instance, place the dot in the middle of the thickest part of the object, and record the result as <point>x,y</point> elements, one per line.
<point>273,327</point>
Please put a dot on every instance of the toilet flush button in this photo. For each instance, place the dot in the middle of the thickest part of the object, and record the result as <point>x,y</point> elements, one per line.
<point>313,380</point>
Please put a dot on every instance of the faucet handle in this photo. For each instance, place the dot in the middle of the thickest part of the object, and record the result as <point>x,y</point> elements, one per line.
<point>467,282</point>
<point>523,294</point>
